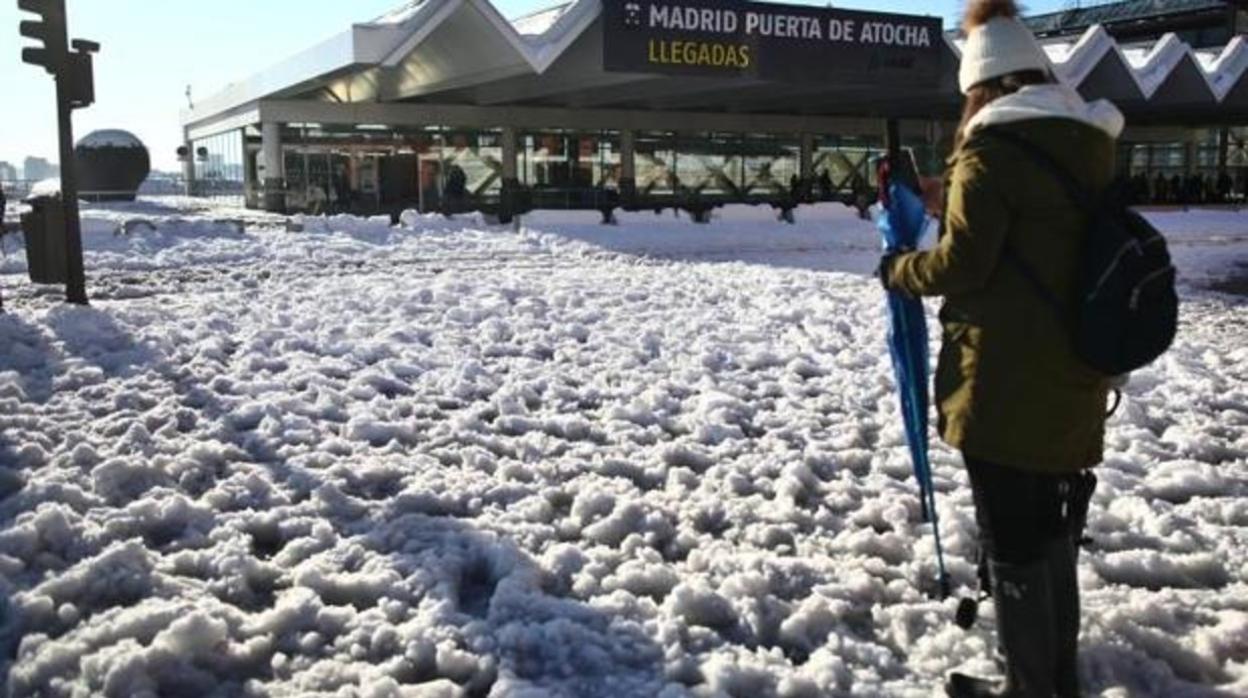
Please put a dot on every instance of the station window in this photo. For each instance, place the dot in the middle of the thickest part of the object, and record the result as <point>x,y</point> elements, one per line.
<point>555,159</point>
<point>846,164</point>
<point>656,162</point>
<point>220,166</point>
<point>772,164</point>
<point>1185,173</point>
<point>732,167</point>
<point>1237,148</point>
<point>1237,163</point>
<point>369,167</point>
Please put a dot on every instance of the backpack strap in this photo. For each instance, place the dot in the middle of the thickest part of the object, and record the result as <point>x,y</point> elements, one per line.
<point>1074,190</point>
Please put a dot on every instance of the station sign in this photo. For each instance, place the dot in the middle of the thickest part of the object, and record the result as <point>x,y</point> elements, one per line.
<point>771,42</point>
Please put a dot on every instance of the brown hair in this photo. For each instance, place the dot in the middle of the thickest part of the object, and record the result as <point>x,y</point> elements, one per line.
<point>989,91</point>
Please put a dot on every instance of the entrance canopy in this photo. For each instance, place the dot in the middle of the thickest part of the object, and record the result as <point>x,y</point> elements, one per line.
<point>576,56</point>
<point>688,56</point>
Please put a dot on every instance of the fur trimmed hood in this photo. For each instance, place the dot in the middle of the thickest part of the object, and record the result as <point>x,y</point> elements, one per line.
<point>1050,102</point>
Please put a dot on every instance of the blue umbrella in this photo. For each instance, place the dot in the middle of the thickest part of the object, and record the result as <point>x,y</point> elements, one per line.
<point>902,225</point>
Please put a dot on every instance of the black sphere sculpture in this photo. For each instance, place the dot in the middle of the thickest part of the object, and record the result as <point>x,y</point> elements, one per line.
<point>111,166</point>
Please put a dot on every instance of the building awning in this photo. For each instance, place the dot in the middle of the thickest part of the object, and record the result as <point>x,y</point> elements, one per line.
<point>464,53</point>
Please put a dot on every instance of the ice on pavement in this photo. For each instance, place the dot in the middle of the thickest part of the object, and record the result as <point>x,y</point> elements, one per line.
<point>448,459</point>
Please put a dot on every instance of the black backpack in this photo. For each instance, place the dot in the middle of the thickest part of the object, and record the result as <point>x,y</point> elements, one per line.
<point>1127,313</point>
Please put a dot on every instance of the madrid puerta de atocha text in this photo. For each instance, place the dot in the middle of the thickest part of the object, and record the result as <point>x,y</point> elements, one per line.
<point>746,25</point>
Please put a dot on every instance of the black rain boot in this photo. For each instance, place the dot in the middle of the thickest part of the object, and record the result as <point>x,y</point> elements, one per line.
<point>1025,629</point>
<point>1063,557</point>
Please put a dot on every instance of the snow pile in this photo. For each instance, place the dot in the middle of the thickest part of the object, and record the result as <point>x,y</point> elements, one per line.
<point>449,459</point>
<point>1207,245</point>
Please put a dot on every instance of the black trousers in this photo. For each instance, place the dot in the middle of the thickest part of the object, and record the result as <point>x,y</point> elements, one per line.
<point>1019,512</point>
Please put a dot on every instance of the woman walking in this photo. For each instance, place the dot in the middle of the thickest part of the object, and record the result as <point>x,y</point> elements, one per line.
<point>1026,414</point>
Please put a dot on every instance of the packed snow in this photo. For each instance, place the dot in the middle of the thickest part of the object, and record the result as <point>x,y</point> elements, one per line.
<point>444,459</point>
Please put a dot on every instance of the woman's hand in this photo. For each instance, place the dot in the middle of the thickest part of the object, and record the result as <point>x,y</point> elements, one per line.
<point>884,271</point>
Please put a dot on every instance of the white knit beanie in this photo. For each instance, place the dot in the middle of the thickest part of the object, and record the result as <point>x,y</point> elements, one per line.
<point>1000,46</point>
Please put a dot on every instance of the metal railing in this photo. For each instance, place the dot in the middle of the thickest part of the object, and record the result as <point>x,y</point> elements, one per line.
<point>20,189</point>
<point>17,189</point>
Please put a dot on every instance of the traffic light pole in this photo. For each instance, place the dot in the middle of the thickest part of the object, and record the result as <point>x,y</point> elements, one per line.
<point>76,284</point>
<point>75,89</point>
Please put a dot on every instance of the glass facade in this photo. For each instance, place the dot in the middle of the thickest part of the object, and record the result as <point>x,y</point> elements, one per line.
<point>569,169</point>
<point>846,166</point>
<point>370,168</point>
<point>732,167</point>
<point>1237,148</point>
<point>1200,170</point>
<point>771,165</point>
<point>1237,163</point>
<point>655,161</point>
<point>220,166</point>
<point>333,168</point>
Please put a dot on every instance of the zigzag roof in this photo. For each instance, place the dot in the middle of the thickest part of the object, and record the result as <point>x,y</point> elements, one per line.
<point>465,52</point>
<point>1073,19</point>
<point>1150,67</point>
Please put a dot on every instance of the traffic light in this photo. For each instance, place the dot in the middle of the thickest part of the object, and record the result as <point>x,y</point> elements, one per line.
<point>80,73</point>
<point>72,68</point>
<point>49,31</point>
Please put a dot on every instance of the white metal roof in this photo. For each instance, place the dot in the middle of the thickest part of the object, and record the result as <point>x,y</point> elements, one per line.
<point>1150,66</point>
<point>429,47</point>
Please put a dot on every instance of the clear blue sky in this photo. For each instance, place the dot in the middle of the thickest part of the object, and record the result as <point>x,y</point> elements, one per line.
<point>153,49</point>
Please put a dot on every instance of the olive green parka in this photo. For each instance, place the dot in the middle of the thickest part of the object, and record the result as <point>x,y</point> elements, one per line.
<point>1009,389</point>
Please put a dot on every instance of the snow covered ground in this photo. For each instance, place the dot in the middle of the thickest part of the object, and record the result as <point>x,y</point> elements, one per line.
<point>569,460</point>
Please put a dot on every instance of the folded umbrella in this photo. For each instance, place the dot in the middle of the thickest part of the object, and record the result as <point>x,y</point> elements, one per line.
<point>902,225</point>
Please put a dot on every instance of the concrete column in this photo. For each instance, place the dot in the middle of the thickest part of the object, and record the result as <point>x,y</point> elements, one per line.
<point>274,175</point>
<point>512,201</point>
<point>251,187</point>
<point>805,192</point>
<point>807,167</point>
<point>188,168</point>
<point>628,167</point>
<point>1224,148</point>
<point>511,164</point>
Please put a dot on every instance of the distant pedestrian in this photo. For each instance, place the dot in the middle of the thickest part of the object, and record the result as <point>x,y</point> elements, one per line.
<point>456,183</point>
<point>317,200</point>
<point>864,195</point>
<point>1161,189</point>
<point>1195,186</point>
<point>342,190</point>
<point>1224,187</point>
<point>825,186</point>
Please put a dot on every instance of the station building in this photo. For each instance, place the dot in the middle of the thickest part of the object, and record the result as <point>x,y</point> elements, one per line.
<point>445,105</point>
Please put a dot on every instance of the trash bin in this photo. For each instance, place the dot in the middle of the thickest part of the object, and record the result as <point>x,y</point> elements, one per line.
<point>44,229</point>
